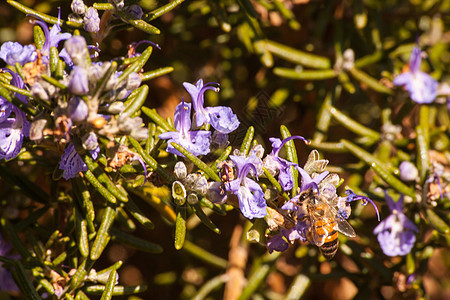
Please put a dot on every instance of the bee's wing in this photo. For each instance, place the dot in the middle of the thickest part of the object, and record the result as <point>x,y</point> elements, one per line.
<point>343,226</point>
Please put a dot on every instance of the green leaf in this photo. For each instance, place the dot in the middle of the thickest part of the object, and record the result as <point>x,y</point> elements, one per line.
<point>162,10</point>
<point>437,222</point>
<point>84,198</point>
<point>135,211</point>
<point>118,290</point>
<point>180,227</point>
<point>135,242</point>
<point>26,108</point>
<point>204,218</point>
<point>108,292</point>
<point>297,56</point>
<point>276,184</point>
<point>212,206</point>
<point>54,82</point>
<point>45,17</point>
<point>54,58</point>
<point>369,81</point>
<point>135,100</point>
<point>104,179</point>
<point>138,64</point>
<point>103,236</point>
<point>204,255</point>
<point>379,168</point>
<point>156,73</point>
<point>151,161</point>
<point>39,37</point>
<point>354,126</point>
<point>258,276</point>
<point>81,233</point>
<point>21,278</point>
<point>99,187</point>
<point>138,23</point>
<point>304,74</point>
<point>298,287</point>
<point>155,117</point>
<point>246,144</point>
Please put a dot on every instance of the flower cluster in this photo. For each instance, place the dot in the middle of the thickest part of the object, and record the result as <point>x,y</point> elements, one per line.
<point>93,108</point>
<point>221,118</point>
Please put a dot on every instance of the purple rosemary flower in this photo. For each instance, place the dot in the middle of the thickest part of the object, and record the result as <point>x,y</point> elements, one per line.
<point>91,20</point>
<point>6,280</point>
<point>196,142</point>
<point>12,130</point>
<point>396,234</point>
<point>79,83</point>
<point>221,118</point>
<point>421,86</point>
<point>280,242</point>
<point>72,163</point>
<point>13,52</point>
<point>52,37</point>
<point>275,164</point>
<point>308,182</point>
<point>251,197</point>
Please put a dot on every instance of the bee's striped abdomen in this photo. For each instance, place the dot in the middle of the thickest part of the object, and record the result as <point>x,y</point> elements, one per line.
<point>330,246</point>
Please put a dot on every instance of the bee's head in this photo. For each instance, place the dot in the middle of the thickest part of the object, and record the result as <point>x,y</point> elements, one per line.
<point>307,195</point>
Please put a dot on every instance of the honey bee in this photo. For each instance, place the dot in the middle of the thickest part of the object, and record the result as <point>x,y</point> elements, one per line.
<point>323,221</point>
